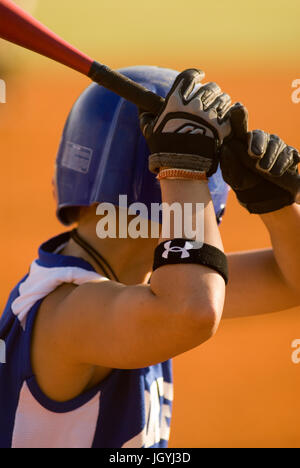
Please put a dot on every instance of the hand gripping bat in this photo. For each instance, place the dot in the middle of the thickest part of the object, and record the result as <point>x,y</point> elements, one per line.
<point>22,29</point>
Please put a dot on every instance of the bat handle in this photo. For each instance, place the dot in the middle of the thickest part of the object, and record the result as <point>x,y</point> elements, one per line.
<point>126,88</point>
<point>288,181</point>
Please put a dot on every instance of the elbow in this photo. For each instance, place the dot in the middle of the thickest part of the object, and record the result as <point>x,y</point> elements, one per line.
<point>206,309</point>
<point>203,320</point>
<point>208,323</point>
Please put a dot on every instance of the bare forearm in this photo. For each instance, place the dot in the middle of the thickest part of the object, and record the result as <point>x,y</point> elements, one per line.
<point>256,285</point>
<point>193,193</point>
<point>284,229</point>
<point>196,284</point>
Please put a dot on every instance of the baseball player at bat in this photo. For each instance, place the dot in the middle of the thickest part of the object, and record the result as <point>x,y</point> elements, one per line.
<point>89,338</point>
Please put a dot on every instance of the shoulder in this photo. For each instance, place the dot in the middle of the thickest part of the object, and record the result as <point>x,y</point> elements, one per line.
<point>58,377</point>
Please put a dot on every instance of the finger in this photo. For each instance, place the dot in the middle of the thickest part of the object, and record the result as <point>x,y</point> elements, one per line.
<point>239,117</point>
<point>296,155</point>
<point>258,143</point>
<point>284,161</point>
<point>186,81</point>
<point>221,105</point>
<point>146,118</point>
<point>143,114</point>
<point>296,160</point>
<point>274,148</point>
<point>208,94</point>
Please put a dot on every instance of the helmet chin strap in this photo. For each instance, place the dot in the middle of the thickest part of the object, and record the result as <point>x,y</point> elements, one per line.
<point>95,255</point>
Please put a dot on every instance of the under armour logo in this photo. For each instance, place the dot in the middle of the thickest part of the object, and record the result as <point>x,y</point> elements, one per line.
<point>176,249</point>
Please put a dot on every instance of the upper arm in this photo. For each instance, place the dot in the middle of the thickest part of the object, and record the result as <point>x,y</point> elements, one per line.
<point>116,326</point>
<point>256,285</point>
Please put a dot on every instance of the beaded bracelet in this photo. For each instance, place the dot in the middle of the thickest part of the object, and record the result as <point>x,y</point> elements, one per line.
<point>181,174</point>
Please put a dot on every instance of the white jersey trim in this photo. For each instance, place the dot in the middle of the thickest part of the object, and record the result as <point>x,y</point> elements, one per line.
<point>37,427</point>
<point>42,281</point>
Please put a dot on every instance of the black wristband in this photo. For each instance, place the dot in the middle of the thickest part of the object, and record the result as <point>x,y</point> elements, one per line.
<point>182,251</point>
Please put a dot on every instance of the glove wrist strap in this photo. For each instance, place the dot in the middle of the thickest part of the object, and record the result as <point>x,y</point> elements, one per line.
<point>178,161</point>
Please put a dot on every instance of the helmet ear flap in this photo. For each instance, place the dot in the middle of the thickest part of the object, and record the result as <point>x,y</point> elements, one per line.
<point>69,215</point>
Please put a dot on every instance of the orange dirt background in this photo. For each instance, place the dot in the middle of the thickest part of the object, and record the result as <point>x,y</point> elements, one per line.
<point>239,390</point>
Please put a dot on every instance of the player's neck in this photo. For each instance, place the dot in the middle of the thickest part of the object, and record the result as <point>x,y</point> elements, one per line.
<point>130,259</point>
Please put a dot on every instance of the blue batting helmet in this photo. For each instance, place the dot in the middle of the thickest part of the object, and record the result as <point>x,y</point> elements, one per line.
<point>103,153</point>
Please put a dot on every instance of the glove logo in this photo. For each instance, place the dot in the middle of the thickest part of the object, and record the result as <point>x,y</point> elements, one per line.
<point>192,129</point>
<point>176,249</point>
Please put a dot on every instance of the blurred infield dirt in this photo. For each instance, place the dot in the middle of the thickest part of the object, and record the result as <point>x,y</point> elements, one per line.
<point>239,390</point>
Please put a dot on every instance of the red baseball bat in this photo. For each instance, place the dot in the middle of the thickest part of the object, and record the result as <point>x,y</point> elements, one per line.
<point>19,27</point>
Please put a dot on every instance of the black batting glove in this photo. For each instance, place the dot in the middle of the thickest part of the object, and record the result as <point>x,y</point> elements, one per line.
<point>272,156</point>
<point>190,128</point>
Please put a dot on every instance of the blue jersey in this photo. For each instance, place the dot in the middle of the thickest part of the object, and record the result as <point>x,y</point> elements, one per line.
<point>130,408</point>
